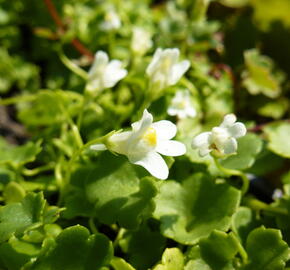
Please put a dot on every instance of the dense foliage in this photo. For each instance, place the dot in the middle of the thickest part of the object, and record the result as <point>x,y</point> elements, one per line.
<point>67,205</point>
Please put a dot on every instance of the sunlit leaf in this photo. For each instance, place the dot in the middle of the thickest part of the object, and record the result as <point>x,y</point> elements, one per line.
<point>193,209</point>
<point>278,136</point>
<point>266,250</point>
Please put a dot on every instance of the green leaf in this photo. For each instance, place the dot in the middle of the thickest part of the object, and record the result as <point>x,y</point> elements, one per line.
<point>259,76</point>
<point>172,259</point>
<point>219,249</point>
<point>15,71</point>
<point>11,258</point>
<point>144,247</point>
<point>76,201</point>
<point>18,155</point>
<point>234,3</point>
<point>50,107</point>
<point>13,192</point>
<point>117,193</point>
<point>265,16</point>
<point>194,260</point>
<point>76,249</point>
<point>249,147</point>
<point>198,264</point>
<point>193,209</point>
<point>244,221</point>
<point>278,136</point>
<point>266,250</point>
<point>266,161</point>
<point>120,264</point>
<point>274,109</point>
<point>15,218</point>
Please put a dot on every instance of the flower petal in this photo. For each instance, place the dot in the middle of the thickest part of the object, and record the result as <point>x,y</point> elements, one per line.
<point>155,165</point>
<point>145,122</point>
<point>98,147</point>
<point>119,142</point>
<point>172,111</point>
<point>190,111</point>
<point>114,73</point>
<point>237,130</point>
<point>101,60</point>
<point>165,129</point>
<point>202,140</point>
<point>229,120</point>
<point>153,64</point>
<point>177,71</point>
<point>204,151</point>
<point>230,146</point>
<point>170,148</point>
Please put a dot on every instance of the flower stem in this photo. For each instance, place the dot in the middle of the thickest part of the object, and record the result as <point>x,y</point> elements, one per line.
<point>72,66</point>
<point>92,226</point>
<point>63,182</point>
<point>17,99</point>
<point>188,84</point>
<point>85,102</point>
<point>38,170</point>
<point>241,249</point>
<point>230,172</point>
<point>258,205</point>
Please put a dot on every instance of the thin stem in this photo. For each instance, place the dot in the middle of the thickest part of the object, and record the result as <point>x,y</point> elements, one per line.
<point>188,84</point>
<point>74,128</point>
<point>76,154</point>
<point>82,110</point>
<point>58,21</point>
<point>230,172</point>
<point>47,167</point>
<point>241,249</point>
<point>119,237</point>
<point>72,66</point>
<point>92,226</point>
<point>17,99</point>
<point>258,205</point>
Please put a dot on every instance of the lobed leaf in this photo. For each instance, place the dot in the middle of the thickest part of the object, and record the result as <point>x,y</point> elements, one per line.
<point>143,247</point>
<point>266,250</point>
<point>193,209</point>
<point>114,188</point>
<point>75,249</point>
<point>249,147</point>
<point>172,259</point>
<point>219,249</point>
<point>15,218</point>
<point>278,136</point>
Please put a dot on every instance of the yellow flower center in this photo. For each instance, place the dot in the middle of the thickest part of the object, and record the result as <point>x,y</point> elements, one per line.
<point>181,105</point>
<point>150,136</point>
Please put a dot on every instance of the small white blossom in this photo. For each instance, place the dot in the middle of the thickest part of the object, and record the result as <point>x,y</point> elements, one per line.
<point>164,69</point>
<point>104,74</point>
<point>181,105</point>
<point>141,41</point>
<point>221,139</point>
<point>277,194</point>
<point>111,21</point>
<point>144,144</point>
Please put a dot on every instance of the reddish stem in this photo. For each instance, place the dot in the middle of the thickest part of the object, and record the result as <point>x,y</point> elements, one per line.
<point>58,21</point>
<point>260,127</point>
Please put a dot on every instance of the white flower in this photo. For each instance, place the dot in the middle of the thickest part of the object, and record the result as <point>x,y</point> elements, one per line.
<point>104,74</point>
<point>144,144</point>
<point>181,105</point>
<point>164,69</point>
<point>277,194</point>
<point>112,21</point>
<point>141,41</point>
<point>221,139</point>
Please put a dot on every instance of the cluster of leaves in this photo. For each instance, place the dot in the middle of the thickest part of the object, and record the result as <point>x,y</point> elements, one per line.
<point>66,207</point>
